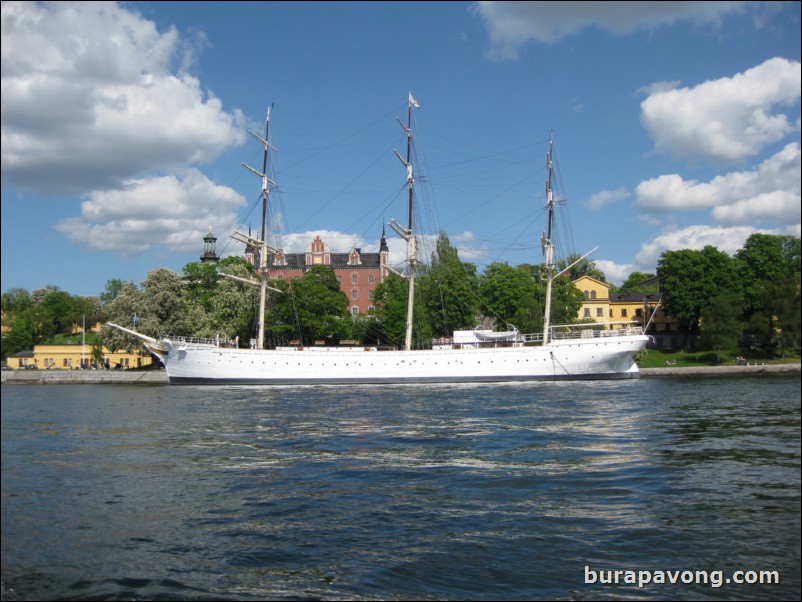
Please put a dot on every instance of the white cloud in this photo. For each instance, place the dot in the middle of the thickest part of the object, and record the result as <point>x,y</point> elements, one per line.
<point>511,25</point>
<point>616,273</point>
<point>766,195</point>
<point>728,240</point>
<point>168,211</point>
<point>725,120</point>
<point>606,197</point>
<point>91,99</point>
<point>657,87</point>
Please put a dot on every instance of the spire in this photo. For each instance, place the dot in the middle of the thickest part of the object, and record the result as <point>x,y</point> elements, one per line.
<point>383,248</point>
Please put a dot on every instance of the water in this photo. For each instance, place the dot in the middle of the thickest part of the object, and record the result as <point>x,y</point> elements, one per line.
<point>505,492</point>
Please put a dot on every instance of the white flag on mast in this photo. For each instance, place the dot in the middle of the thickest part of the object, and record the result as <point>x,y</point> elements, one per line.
<point>413,102</point>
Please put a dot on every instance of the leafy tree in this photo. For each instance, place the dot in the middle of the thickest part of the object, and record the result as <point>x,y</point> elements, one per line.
<point>314,306</point>
<point>60,312</point>
<point>16,300</point>
<point>201,282</point>
<point>636,282</point>
<point>583,267</point>
<point>448,290</point>
<point>234,305</point>
<point>113,288</point>
<point>721,326</point>
<point>768,266</point>
<point>367,329</point>
<point>566,299</point>
<point>38,295</point>
<point>690,279</point>
<point>20,333</point>
<point>127,310</point>
<point>390,307</point>
<point>783,301</point>
<point>96,355</point>
<point>513,295</point>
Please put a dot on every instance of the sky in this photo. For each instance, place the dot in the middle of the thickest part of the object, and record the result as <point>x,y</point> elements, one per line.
<point>676,125</point>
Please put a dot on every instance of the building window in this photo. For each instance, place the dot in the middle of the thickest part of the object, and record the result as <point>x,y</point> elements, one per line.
<point>355,294</point>
<point>354,311</point>
<point>371,279</point>
<point>370,295</point>
<point>592,294</point>
<point>354,279</point>
<point>623,313</point>
<point>587,312</point>
<point>599,312</point>
<point>587,294</point>
<point>638,313</point>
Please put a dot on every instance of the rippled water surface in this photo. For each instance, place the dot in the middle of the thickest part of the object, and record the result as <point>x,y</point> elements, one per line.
<point>505,492</point>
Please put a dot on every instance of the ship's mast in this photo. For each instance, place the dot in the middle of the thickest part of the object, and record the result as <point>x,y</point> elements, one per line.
<point>546,240</point>
<point>407,233</point>
<point>261,243</point>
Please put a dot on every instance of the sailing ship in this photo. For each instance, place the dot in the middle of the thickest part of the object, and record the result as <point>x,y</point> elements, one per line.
<point>470,356</point>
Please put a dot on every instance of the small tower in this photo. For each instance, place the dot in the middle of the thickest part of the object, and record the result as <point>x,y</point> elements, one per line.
<point>209,243</point>
<point>384,255</point>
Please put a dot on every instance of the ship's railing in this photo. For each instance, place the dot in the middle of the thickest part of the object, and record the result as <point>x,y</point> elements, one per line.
<point>582,331</point>
<point>210,342</point>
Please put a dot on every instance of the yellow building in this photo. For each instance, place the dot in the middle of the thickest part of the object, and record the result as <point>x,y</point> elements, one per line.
<point>73,355</point>
<point>622,310</point>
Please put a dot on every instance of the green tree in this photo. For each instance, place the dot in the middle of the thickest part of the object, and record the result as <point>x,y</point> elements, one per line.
<point>16,300</point>
<point>390,308</point>
<point>783,301</point>
<point>113,288</point>
<point>583,267</point>
<point>314,306</point>
<point>690,279</point>
<point>201,282</point>
<point>234,305</point>
<point>566,300</point>
<point>512,295</point>
<point>19,335</point>
<point>126,309</point>
<point>720,323</point>
<point>449,290</point>
<point>640,282</point>
<point>769,268</point>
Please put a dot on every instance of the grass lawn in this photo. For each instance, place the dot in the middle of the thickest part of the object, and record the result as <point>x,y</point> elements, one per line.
<point>658,358</point>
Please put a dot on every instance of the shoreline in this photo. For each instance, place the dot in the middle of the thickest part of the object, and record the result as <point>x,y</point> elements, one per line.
<point>159,377</point>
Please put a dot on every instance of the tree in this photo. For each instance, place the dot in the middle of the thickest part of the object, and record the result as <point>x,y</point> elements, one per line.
<point>233,306</point>
<point>640,282</point>
<point>201,282</point>
<point>113,288</point>
<point>783,302</point>
<point>769,268</point>
<point>314,306</point>
<point>126,310</point>
<point>448,290</point>
<point>690,279</point>
<point>583,267</point>
<point>566,299</point>
<point>720,323</point>
<point>16,300</point>
<point>512,295</point>
<point>390,308</point>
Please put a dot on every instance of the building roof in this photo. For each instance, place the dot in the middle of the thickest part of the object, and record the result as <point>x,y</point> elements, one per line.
<point>297,261</point>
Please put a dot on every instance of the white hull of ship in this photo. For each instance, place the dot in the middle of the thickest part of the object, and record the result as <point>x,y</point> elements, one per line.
<point>574,359</point>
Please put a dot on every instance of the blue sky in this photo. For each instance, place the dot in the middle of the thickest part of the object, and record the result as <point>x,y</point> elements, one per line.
<point>124,126</point>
